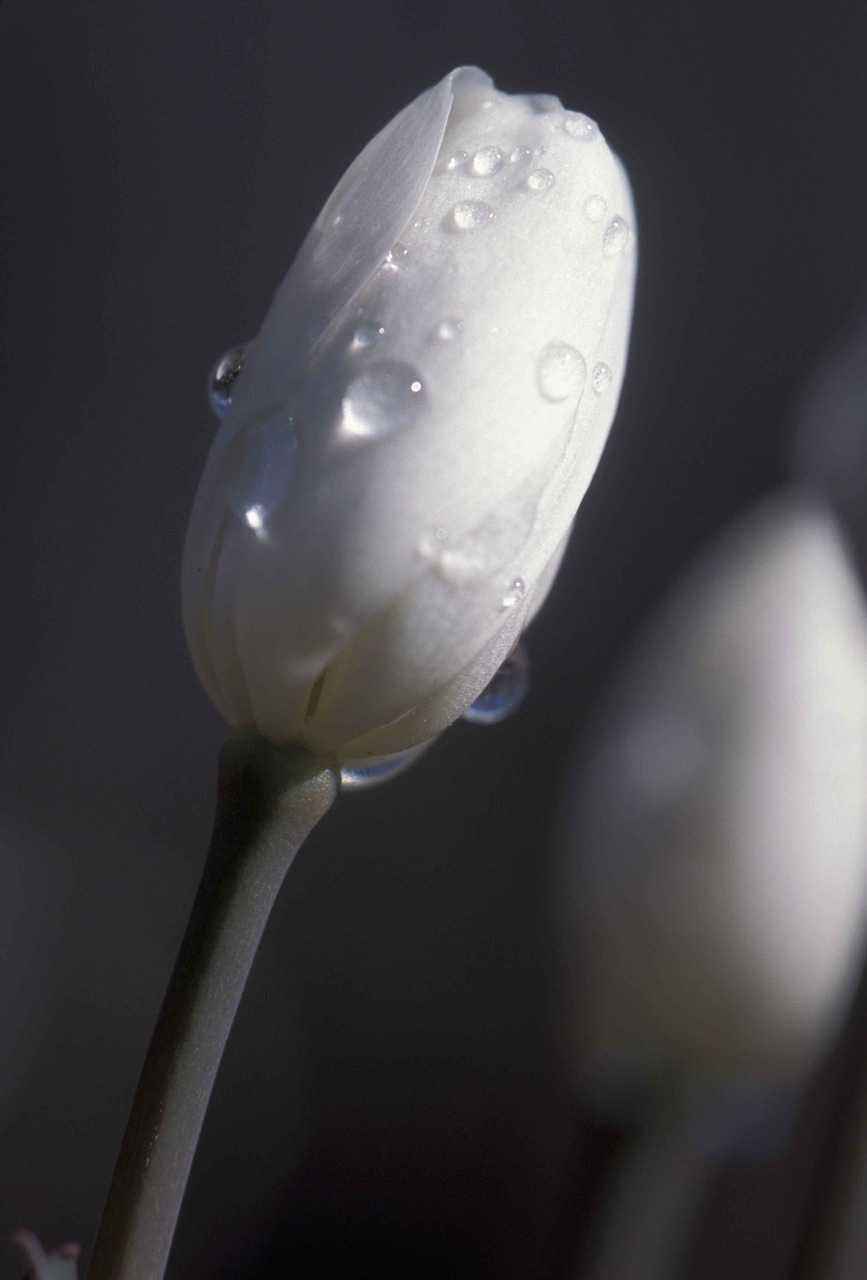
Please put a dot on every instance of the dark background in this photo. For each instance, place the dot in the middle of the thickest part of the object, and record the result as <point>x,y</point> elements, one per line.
<point>391,1092</point>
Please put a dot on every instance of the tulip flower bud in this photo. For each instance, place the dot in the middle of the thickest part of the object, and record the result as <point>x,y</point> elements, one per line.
<point>717,840</point>
<point>406,442</point>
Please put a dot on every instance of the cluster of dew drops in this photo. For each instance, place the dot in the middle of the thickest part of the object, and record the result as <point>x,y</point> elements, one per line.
<point>388,395</point>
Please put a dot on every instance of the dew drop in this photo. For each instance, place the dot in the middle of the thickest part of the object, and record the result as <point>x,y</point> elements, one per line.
<point>515,593</point>
<point>487,162</point>
<point>595,208</point>
<point>395,257</point>
<point>544,103</point>
<point>265,473</point>
<point>560,372</point>
<point>505,693</point>
<point>579,126</point>
<point>616,236</point>
<point>366,335</point>
<point>469,214</point>
<point>447,330</point>
<point>361,775</point>
<point>223,377</point>
<point>520,153</point>
<point>541,180</point>
<point>457,160</point>
<point>600,378</point>
<point>386,397</point>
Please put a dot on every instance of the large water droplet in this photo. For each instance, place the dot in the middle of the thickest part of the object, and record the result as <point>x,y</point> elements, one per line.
<point>469,214</point>
<point>560,372</point>
<point>579,126</point>
<point>595,208</point>
<point>600,378</point>
<point>505,693</point>
<point>223,377</point>
<point>265,474</point>
<point>516,592</point>
<point>366,335</point>
<point>541,180</point>
<point>487,162</point>
<point>386,397</point>
<point>360,775</point>
<point>616,236</point>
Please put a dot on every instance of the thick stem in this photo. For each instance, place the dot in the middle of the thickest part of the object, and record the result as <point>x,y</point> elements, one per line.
<point>269,801</point>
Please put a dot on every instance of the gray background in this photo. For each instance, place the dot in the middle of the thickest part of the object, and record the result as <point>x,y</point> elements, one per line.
<point>392,1092</point>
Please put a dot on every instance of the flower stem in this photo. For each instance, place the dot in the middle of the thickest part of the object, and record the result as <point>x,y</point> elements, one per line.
<point>269,800</point>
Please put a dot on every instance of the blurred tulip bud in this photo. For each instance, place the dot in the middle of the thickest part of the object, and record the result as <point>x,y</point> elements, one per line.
<point>831,439</point>
<point>717,834</point>
<point>60,1264</point>
<point>406,442</point>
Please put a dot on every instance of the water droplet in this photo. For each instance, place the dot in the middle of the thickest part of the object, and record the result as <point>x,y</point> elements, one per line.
<point>505,693</point>
<point>541,180</point>
<point>458,159</point>
<point>515,593</point>
<point>468,215</point>
<point>366,335</point>
<point>430,544</point>
<point>488,161</point>
<point>449,329</point>
<point>520,153</point>
<point>600,378</point>
<point>560,372</point>
<point>265,472</point>
<point>223,377</point>
<point>360,775</point>
<point>544,103</point>
<point>386,397</point>
<point>395,257</point>
<point>579,126</point>
<point>595,208</point>
<point>616,236</point>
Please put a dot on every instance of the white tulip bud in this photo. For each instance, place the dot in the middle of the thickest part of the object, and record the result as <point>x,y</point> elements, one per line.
<point>406,442</point>
<point>717,842</point>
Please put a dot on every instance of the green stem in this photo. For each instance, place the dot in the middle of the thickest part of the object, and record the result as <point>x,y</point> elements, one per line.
<point>269,801</point>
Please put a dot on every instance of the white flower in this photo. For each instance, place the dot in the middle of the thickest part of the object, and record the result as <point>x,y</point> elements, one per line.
<point>717,841</point>
<point>407,440</point>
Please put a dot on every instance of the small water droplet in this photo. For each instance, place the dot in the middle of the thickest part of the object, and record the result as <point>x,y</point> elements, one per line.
<point>469,214</point>
<point>395,257</point>
<point>560,372</point>
<point>360,775</point>
<point>515,593</point>
<point>544,103</point>
<point>601,378</point>
<point>541,180</point>
<point>430,544</point>
<point>616,236</point>
<point>520,153</point>
<point>223,377</point>
<point>366,335</point>
<point>458,159</point>
<point>386,397</point>
<point>449,329</point>
<point>505,693</point>
<point>595,208</point>
<point>487,161</point>
<point>265,472</point>
<point>579,126</point>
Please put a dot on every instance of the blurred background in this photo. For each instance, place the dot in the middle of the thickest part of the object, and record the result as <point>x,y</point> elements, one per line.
<point>394,1091</point>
